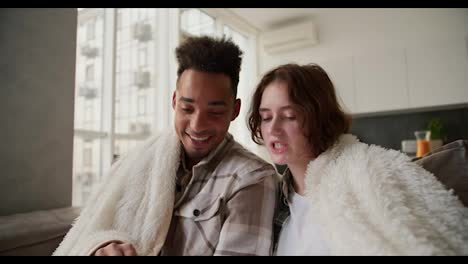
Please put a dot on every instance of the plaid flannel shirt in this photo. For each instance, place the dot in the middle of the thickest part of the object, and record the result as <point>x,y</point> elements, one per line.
<point>282,208</point>
<point>224,205</point>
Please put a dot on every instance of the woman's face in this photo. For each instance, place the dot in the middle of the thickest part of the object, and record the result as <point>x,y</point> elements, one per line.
<point>281,126</point>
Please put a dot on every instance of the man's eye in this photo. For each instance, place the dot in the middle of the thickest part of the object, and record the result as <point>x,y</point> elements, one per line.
<point>187,110</point>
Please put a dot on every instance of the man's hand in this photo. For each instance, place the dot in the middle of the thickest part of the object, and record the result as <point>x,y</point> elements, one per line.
<point>116,249</point>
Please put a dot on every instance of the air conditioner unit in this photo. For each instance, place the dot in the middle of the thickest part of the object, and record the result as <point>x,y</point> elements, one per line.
<point>291,37</point>
<point>87,92</point>
<point>142,79</point>
<point>140,128</point>
<point>142,31</point>
<point>85,178</point>
<point>89,51</point>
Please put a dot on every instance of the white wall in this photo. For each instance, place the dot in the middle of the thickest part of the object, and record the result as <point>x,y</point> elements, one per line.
<point>388,48</point>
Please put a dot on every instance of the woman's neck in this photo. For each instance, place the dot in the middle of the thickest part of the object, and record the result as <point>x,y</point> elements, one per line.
<point>298,171</point>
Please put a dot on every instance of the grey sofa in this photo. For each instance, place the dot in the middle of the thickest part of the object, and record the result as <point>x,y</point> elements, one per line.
<point>450,165</point>
<point>35,233</point>
<point>40,232</point>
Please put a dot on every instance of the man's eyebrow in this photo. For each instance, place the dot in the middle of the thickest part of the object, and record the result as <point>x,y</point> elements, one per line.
<point>217,103</point>
<point>187,100</point>
<point>212,103</point>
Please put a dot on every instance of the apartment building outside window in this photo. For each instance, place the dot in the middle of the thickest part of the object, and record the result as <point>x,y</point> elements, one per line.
<point>143,56</point>
<point>87,157</point>
<point>90,30</point>
<point>141,105</point>
<point>126,73</point>
<point>90,73</point>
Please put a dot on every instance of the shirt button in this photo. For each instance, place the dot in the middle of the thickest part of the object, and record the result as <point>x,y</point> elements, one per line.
<point>196,212</point>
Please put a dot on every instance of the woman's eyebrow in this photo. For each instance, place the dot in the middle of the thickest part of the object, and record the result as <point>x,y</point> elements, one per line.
<point>286,107</point>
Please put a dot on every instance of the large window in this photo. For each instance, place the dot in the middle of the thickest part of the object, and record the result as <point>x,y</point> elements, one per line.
<point>136,49</point>
<point>213,21</point>
<point>245,87</point>
<point>89,132</point>
<point>90,30</point>
<point>126,73</point>
<point>196,22</point>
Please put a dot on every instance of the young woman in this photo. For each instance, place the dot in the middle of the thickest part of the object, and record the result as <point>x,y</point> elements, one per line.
<point>341,196</point>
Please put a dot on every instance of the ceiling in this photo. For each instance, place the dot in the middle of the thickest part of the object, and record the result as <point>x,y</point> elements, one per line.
<point>267,18</point>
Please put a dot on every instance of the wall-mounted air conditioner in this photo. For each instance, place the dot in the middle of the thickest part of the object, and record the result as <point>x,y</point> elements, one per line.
<point>290,37</point>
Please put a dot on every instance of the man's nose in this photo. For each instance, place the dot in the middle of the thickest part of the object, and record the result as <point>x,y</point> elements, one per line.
<point>199,122</point>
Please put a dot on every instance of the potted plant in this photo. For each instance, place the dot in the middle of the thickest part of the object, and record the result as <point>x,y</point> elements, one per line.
<point>436,127</point>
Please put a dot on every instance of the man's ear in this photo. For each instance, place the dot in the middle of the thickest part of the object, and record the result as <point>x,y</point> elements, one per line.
<point>174,99</point>
<point>237,106</point>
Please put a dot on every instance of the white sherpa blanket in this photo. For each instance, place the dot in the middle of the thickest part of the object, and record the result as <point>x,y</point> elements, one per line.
<point>133,204</point>
<point>373,201</point>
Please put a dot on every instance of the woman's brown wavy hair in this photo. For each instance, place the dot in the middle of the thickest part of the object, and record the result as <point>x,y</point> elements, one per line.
<point>313,95</point>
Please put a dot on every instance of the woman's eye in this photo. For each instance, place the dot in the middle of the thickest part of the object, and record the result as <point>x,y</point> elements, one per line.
<point>266,118</point>
<point>291,117</point>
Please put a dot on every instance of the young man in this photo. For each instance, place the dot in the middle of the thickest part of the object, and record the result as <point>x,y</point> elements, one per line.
<point>192,192</point>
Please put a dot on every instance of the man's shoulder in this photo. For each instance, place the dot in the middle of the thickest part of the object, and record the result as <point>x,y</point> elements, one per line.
<point>245,161</point>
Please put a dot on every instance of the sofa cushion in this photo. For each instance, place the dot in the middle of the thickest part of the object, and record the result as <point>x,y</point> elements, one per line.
<point>450,165</point>
<point>35,233</point>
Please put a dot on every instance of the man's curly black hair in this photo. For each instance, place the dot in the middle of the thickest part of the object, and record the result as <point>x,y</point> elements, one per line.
<point>209,54</point>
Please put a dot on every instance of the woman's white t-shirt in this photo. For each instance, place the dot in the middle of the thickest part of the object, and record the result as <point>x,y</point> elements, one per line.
<point>301,234</point>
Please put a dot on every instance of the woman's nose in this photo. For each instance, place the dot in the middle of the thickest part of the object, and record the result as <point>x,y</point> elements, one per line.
<point>275,127</point>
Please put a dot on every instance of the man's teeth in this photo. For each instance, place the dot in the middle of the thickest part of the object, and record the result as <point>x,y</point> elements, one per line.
<point>199,139</point>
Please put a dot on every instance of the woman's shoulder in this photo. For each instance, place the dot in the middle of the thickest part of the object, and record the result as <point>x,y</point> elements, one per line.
<point>352,147</point>
<point>351,153</point>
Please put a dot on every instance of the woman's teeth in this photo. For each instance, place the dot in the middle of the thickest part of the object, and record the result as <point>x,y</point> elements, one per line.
<point>278,145</point>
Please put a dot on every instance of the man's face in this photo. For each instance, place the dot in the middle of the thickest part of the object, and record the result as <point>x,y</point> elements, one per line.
<point>204,107</point>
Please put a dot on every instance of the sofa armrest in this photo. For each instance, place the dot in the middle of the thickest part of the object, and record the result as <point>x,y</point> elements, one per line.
<point>450,166</point>
<point>35,233</point>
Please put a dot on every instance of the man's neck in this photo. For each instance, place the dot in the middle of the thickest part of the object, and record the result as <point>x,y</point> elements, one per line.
<point>187,162</point>
<point>190,162</point>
